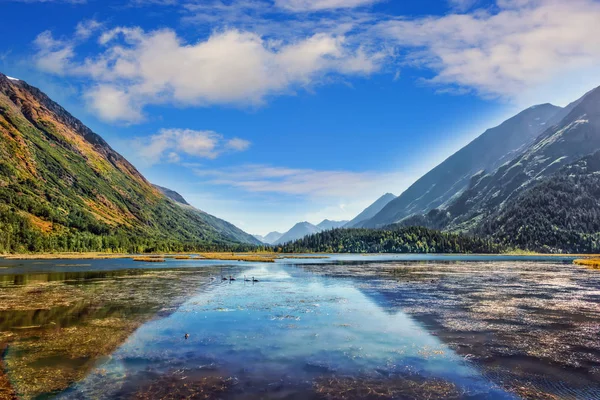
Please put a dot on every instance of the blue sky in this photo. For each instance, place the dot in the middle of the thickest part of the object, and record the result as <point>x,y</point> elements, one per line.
<point>270,112</point>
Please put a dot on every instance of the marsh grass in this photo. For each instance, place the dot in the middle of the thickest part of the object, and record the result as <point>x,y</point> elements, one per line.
<point>149,259</point>
<point>250,257</point>
<point>588,262</point>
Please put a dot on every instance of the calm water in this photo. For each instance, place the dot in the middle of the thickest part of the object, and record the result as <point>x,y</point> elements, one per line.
<point>334,328</point>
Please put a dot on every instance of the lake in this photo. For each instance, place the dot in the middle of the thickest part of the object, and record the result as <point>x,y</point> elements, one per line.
<point>350,326</point>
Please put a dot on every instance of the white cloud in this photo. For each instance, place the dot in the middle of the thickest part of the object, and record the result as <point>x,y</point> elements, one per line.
<point>319,5</point>
<point>53,55</point>
<point>304,182</point>
<point>230,67</point>
<point>522,44</point>
<point>87,28</point>
<point>170,144</point>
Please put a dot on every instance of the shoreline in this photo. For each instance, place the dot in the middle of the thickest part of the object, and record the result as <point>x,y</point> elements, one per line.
<point>253,256</point>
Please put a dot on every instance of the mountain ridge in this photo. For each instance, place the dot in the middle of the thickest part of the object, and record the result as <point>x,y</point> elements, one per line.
<point>63,188</point>
<point>450,178</point>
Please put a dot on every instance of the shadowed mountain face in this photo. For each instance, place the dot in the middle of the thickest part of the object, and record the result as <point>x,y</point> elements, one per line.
<point>573,138</point>
<point>328,224</point>
<point>62,187</point>
<point>545,199</point>
<point>447,181</point>
<point>370,211</point>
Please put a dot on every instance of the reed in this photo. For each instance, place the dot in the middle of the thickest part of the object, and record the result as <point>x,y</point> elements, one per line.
<point>588,262</point>
<point>149,259</point>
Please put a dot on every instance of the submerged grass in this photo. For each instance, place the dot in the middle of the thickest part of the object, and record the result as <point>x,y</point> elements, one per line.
<point>175,386</point>
<point>410,387</point>
<point>54,332</point>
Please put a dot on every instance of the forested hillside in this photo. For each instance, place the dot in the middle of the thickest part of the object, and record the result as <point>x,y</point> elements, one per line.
<point>392,239</point>
<point>63,188</point>
<point>559,214</point>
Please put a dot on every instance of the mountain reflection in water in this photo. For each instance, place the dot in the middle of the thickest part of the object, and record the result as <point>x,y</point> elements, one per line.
<point>309,330</point>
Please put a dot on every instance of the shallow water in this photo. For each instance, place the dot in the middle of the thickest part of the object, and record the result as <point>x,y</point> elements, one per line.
<point>346,327</point>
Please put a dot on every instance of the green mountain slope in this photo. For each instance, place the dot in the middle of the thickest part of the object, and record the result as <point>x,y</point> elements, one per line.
<point>225,228</point>
<point>62,187</point>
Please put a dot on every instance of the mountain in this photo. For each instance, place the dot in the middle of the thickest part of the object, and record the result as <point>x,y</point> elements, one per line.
<point>225,228</point>
<point>326,225</point>
<point>172,195</point>
<point>573,138</point>
<point>443,184</point>
<point>270,237</point>
<point>63,188</point>
<point>560,213</point>
<point>370,211</point>
<point>298,231</point>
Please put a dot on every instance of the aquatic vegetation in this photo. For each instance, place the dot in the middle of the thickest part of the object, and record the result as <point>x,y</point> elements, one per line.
<point>530,326</point>
<point>149,259</point>
<point>406,387</point>
<point>59,357</point>
<point>55,330</point>
<point>178,386</point>
<point>588,262</point>
<point>251,257</point>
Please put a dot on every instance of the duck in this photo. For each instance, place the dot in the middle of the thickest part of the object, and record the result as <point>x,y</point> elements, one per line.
<point>246,279</point>
<point>254,280</point>
<point>231,278</point>
<point>186,336</point>
<point>223,279</point>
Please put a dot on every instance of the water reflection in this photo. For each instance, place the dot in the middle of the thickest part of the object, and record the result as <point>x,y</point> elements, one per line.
<point>315,329</point>
<point>292,334</point>
<point>54,327</point>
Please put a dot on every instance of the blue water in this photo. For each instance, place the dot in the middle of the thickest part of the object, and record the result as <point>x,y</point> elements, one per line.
<point>280,335</point>
<point>9,267</point>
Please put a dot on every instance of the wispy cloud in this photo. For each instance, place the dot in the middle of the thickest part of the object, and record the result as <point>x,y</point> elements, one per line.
<point>137,68</point>
<point>505,51</point>
<point>303,182</point>
<point>256,49</point>
<point>169,145</point>
<point>319,5</point>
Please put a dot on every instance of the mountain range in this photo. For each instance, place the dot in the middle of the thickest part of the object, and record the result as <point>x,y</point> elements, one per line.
<point>62,187</point>
<point>299,231</point>
<point>530,159</point>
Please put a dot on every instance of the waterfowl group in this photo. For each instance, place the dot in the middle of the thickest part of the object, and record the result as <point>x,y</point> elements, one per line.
<point>231,278</point>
